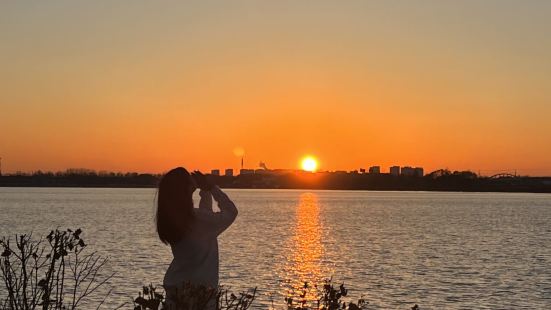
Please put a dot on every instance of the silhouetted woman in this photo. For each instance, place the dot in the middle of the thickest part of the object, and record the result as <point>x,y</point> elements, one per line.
<point>191,232</point>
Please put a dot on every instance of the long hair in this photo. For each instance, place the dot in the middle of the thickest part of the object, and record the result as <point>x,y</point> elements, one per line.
<point>174,205</point>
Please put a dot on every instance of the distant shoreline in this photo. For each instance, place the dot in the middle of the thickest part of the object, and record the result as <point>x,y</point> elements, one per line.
<point>299,189</point>
<point>457,182</point>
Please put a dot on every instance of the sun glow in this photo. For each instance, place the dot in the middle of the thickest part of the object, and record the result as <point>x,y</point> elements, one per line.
<point>309,163</point>
<point>304,257</point>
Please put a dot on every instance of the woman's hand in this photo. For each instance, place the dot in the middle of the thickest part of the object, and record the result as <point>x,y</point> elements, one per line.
<point>202,181</point>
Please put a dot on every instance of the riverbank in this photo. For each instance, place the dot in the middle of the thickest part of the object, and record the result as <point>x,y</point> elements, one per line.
<point>458,181</point>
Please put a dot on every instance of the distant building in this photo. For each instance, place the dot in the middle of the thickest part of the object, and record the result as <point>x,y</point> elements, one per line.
<point>246,171</point>
<point>418,171</point>
<point>362,170</point>
<point>228,172</point>
<point>407,171</point>
<point>395,170</point>
<point>282,171</point>
<point>215,172</point>
<point>375,170</point>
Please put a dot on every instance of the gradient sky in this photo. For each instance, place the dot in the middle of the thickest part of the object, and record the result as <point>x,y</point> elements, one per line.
<point>148,85</point>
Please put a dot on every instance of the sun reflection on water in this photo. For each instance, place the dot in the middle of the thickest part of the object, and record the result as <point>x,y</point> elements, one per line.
<point>304,257</point>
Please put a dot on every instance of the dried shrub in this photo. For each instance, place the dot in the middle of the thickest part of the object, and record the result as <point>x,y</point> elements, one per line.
<point>49,273</point>
<point>194,297</point>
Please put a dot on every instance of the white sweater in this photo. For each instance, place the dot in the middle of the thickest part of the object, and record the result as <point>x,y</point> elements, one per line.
<point>196,254</point>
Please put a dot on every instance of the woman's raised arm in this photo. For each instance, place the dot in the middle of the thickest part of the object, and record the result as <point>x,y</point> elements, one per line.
<point>228,211</point>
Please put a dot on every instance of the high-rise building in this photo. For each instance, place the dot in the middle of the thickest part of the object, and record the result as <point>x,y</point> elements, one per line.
<point>395,170</point>
<point>418,171</point>
<point>228,172</point>
<point>374,169</point>
<point>215,172</point>
<point>407,171</point>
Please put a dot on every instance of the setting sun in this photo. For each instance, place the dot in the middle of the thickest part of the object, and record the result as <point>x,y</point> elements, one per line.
<point>309,163</point>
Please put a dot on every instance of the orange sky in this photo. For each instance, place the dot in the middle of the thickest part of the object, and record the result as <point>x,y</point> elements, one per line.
<point>145,86</point>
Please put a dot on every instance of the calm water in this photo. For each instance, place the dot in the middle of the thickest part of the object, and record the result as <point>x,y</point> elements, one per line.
<point>441,250</point>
